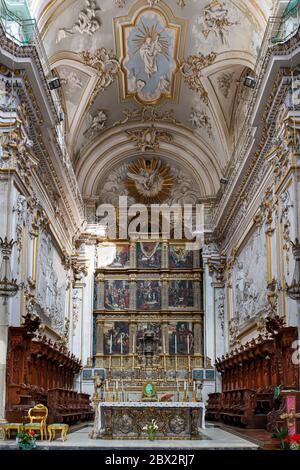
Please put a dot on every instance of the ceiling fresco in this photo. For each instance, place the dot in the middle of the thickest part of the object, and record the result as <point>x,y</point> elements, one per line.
<point>127,64</point>
<point>149,42</point>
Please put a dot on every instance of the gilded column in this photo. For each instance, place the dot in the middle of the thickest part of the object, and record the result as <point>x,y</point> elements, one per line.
<point>132,292</point>
<point>164,255</point>
<point>99,336</point>
<point>133,255</point>
<point>132,336</point>
<point>100,292</point>
<point>197,292</point>
<point>165,333</point>
<point>197,337</point>
<point>165,292</point>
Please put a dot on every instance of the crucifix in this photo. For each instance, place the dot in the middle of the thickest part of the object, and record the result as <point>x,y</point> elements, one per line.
<point>291,418</point>
<point>291,415</point>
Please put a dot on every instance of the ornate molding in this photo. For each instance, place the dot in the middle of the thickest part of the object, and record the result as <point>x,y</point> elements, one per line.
<point>191,70</point>
<point>149,138</point>
<point>97,123</point>
<point>147,113</point>
<point>200,120</point>
<point>249,178</point>
<point>107,66</point>
<point>217,267</point>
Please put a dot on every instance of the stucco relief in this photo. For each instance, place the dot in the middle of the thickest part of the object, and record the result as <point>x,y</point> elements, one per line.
<point>51,282</point>
<point>183,190</point>
<point>248,282</point>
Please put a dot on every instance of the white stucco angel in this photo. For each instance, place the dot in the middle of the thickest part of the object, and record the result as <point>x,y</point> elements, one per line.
<point>215,20</point>
<point>97,122</point>
<point>87,22</point>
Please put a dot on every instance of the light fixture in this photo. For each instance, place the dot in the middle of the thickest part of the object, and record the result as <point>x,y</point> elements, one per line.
<point>224,180</point>
<point>8,285</point>
<point>54,83</point>
<point>249,81</point>
<point>293,290</point>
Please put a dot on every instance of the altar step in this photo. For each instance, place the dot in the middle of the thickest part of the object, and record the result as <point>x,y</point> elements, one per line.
<point>213,438</point>
<point>260,437</point>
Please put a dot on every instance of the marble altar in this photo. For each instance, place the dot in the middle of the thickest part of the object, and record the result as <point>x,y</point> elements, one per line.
<point>176,420</point>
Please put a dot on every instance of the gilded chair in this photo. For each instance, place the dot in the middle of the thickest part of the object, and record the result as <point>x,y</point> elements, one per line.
<point>2,431</point>
<point>38,417</point>
<point>63,428</point>
<point>8,427</point>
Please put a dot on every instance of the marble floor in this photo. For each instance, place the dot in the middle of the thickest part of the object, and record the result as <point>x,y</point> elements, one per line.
<point>213,438</point>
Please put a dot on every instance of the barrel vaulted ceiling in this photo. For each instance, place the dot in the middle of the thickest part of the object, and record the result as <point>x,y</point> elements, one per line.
<point>175,67</point>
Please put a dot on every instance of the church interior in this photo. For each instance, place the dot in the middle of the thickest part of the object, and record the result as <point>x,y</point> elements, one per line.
<point>150,224</point>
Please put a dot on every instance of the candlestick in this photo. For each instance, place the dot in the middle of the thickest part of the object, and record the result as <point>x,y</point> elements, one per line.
<point>133,351</point>
<point>175,344</point>
<point>110,346</point>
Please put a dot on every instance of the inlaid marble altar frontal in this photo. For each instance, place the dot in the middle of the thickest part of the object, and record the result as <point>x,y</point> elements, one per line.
<point>126,420</point>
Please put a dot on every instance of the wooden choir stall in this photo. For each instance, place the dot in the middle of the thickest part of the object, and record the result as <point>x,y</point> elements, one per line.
<point>42,371</point>
<point>251,375</point>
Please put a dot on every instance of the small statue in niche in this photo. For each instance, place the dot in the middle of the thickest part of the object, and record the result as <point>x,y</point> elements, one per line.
<point>199,395</point>
<point>89,362</point>
<point>98,385</point>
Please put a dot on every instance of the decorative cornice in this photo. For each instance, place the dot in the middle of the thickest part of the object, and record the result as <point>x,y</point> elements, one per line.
<point>247,178</point>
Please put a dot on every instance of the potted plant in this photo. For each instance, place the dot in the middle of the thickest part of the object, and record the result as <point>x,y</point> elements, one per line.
<point>293,442</point>
<point>151,429</point>
<point>280,435</point>
<point>26,440</point>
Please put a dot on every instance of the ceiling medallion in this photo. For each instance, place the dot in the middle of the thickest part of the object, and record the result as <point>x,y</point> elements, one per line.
<point>149,138</point>
<point>150,43</point>
<point>191,70</point>
<point>149,181</point>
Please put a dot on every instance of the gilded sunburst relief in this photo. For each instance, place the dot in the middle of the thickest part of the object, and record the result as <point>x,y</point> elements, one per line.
<point>149,43</point>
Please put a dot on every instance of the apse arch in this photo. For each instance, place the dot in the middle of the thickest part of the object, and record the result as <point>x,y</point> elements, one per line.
<point>114,147</point>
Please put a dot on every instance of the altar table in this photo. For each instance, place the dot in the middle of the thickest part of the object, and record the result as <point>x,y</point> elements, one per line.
<point>125,420</point>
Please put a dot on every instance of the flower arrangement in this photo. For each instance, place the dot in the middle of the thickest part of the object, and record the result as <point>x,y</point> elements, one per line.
<point>293,442</point>
<point>151,429</point>
<point>26,440</point>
